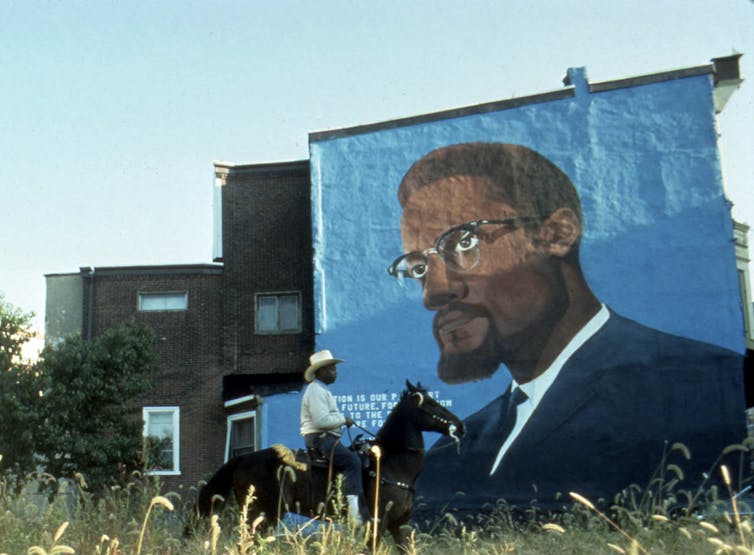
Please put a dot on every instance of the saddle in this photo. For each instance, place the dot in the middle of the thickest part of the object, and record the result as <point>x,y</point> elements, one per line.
<point>318,464</point>
<point>317,459</point>
<point>312,457</point>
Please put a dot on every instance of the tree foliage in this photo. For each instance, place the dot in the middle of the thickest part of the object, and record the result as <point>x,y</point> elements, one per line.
<point>89,421</point>
<point>19,391</point>
<point>73,410</point>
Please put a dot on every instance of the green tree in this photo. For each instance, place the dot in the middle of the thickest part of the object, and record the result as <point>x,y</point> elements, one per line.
<point>19,391</point>
<point>89,421</point>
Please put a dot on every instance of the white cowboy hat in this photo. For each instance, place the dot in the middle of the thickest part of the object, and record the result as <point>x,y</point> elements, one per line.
<point>317,361</point>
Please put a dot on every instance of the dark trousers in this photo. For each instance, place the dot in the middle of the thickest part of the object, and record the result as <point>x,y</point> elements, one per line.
<point>344,460</point>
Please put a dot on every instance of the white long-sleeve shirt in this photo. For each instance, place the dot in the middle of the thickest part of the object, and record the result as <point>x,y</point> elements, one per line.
<point>319,412</point>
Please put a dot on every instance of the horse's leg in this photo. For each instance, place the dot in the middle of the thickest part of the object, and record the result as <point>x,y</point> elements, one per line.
<point>401,535</point>
<point>396,521</point>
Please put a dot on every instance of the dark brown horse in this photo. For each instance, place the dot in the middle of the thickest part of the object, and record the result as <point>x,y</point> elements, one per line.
<point>400,443</point>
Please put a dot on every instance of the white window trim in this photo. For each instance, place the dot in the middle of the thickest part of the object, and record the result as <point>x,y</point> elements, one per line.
<point>240,400</point>
<point>740,236</point>
<point>277,294</point>
<point>141,294</point>
<point>176,438</point>
<point>232,418</point>
<point>743,278</point>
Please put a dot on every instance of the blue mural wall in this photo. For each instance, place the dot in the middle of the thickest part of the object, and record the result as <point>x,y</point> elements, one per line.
<point>657,241</point>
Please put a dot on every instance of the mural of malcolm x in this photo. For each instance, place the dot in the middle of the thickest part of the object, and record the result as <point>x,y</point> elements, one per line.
<point>492,233</point>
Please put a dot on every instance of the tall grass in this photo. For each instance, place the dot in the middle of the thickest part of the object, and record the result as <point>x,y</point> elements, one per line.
<point>141,519</point>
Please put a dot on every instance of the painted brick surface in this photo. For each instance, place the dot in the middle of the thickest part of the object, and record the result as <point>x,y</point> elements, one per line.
<point>657,243</point>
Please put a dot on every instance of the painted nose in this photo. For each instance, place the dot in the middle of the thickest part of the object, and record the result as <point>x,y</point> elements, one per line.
<point>441,285</point>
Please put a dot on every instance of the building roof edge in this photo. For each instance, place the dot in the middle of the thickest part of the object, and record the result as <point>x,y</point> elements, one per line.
<point>494,106</point>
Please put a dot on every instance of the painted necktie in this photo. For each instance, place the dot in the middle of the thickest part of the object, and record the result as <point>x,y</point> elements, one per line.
<point>516,397</point>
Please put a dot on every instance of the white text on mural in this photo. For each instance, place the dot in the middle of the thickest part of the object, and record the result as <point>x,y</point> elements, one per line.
<point>369,410</point>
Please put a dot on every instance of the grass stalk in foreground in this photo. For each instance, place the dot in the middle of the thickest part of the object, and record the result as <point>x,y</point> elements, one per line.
<point>158,500</point>
<point>138,519</point>
<point>588,504</point>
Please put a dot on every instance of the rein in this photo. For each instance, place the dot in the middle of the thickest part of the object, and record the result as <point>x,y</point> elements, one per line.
<point>374,436</point>
<point>355,425</point>
<point>451,428</point>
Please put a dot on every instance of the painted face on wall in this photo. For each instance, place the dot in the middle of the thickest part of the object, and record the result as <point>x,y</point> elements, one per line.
<point>497,295</point>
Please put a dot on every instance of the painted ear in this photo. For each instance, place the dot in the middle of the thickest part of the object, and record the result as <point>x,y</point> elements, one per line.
<point>560,232</point>
<point>410,386</point>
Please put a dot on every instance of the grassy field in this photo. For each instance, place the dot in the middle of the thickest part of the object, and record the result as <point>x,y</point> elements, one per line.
<point>141,519</point>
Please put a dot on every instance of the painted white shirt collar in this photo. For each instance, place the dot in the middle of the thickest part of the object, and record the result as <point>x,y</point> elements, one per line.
<point>536,388</point>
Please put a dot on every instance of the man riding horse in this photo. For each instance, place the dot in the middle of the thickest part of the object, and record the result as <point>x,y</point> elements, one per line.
<point>322,427</point>
<point>388,485</point>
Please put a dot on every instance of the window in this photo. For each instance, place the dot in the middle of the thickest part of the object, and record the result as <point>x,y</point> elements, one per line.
<point>743,284</point>
<point>161,439</point>
<point>740,235</point>
<point>241,437</point>
<point>173,300</point>
<point>278,313</point>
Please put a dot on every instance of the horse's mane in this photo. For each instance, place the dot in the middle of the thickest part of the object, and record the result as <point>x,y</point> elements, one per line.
<point>397,412</point>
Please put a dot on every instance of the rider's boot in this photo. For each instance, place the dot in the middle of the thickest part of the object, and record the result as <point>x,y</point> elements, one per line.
<point>354,514</point>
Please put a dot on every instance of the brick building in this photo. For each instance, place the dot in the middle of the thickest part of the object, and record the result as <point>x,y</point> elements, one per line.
<point>226,334</point>
<point>265,246</point>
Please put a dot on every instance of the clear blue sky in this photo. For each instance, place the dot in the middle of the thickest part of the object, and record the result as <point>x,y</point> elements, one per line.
<point>112,113</point>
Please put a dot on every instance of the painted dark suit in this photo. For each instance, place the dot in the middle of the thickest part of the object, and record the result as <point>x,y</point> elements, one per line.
<point>624,396</point>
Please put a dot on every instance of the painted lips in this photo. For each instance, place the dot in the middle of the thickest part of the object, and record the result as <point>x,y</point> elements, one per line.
<point>454,326</point>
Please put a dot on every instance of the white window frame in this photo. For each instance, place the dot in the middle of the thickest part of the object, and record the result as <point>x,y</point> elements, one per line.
<point>741,238</point>
<point>276,295</point>
<point>234,418</point>
<point>176,414</point>
<point>743,281</point>
<point>141,295</point>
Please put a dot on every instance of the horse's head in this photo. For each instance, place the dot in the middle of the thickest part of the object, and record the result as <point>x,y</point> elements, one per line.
<point>430,415</point>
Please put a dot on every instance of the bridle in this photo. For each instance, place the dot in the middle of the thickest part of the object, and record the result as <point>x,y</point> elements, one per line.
<point>451,427</point>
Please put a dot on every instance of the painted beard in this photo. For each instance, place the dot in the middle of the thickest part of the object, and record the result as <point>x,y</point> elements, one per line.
<point>468,366</point>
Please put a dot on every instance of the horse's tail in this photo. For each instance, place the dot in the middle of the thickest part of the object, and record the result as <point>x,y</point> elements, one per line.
<point>220,484</point>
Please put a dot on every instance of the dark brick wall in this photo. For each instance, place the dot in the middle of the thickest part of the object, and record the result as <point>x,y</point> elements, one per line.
<point>267,247</point>
<point>188,345</point>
